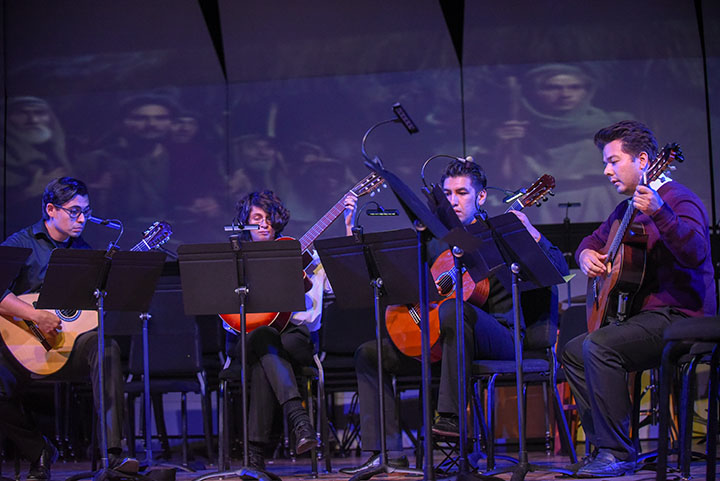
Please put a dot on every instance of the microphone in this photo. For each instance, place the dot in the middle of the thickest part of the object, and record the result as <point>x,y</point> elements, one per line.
<point>427,189</point>
<point>240,227</point>
<point>381,211</point>
<point>404,118</point>
<point>112,223</point>
<point>513,196</point>
<point>569,204</point>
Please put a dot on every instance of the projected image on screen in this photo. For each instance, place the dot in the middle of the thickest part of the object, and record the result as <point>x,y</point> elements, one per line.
<point>187,154</point>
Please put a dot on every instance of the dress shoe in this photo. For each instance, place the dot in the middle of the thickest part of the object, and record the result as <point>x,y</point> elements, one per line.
<point>305,436</point>
<point>256,460</point>
<point>447,426</point>
<point>123,465</point>
<point>575,467</point>
<point>605,465</point>
<point>374,461</point>
<point>40,469</point>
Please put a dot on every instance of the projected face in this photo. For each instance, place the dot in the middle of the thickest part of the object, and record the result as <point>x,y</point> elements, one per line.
<point>184,129</point>
<point>148,122</point>
<point>30,122</point>
<point>562,92</point>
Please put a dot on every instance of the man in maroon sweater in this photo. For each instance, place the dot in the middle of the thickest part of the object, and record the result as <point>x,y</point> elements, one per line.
<point>678,284</point>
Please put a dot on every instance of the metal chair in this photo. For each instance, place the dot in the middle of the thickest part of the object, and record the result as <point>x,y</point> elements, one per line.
<point>540,366</point>
<point>679,339</point>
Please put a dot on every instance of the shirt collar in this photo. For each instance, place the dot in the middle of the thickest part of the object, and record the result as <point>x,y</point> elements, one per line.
<point>39,229</point>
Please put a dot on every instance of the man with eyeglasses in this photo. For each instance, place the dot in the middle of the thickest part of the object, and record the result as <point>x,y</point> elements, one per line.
<point>65,210</point>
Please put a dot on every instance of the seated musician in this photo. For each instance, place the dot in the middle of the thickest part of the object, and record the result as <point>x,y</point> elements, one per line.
<point>65,211</point>
<point>678,284</point>
<point>272,355</point>
<point>488,330</point>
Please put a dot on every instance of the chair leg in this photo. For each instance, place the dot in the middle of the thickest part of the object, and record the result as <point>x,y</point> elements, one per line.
<point>546,403</point>
<point>563,428</point>
<point>491,423</point>
<point>222,426</point>
<point>183,422</point>
<point>311,414</point>
<point>686,418</point>
<point>666,372</point>
<point>712,425</point>
<point>207,423</point>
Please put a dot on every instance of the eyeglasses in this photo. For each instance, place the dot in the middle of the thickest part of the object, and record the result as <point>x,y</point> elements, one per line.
<point>75,211</point>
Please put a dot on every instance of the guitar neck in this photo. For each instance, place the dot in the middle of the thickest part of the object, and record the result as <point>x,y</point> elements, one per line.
<point>320,226</point>
<point>630,213</point>
<point>141,246</point>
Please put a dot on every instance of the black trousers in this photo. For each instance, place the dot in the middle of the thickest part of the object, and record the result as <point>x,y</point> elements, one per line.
<point>81,365</point>
<point>597,366</point>
<point>271,357</point>
<point>485,338</point>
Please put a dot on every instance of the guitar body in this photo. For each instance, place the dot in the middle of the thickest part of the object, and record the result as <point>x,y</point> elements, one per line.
<point>403,321</point>
<point>626,274</point>
<point>29,351</point>
<point>276,320</point>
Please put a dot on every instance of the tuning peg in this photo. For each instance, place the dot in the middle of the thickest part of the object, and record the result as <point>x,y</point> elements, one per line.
<point>372,193</point>
<point>545,198</point>
<point>672,167</point>
<point>552,193</point>
<point>538,203</point>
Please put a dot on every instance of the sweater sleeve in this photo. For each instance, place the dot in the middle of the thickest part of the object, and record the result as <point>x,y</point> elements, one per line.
<point>682,226</point>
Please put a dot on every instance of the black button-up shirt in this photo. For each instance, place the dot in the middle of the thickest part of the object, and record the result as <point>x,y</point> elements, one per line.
<point>37,238</point>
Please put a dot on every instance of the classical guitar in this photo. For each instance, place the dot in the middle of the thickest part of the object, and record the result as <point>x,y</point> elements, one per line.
<point>279,320</point>
<point>403,321</point>
<point>45,354</point>
<point>612,295</point>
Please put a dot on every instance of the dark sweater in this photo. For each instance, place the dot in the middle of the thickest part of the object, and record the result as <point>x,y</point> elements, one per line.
<point>679,271</point>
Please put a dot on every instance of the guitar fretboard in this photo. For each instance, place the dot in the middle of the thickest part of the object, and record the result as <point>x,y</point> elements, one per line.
<point>320,226</point>
<point>620,234</point>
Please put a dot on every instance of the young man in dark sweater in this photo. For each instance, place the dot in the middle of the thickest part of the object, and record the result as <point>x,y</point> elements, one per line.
<point>678,283</point>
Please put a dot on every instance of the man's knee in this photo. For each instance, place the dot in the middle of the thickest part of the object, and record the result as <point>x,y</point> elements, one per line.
<point>366,356</point>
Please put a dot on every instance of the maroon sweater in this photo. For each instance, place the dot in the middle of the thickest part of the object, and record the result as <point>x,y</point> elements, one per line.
<point>679,270</point>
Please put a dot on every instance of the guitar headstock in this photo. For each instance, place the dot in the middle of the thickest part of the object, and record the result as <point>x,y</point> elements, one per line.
<point>537,192</point>
<point>669,154</point>
<point>157,234</point>
<point>368,185</point>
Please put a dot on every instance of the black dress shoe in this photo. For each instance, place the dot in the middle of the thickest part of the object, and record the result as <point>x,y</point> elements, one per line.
<point>374,461</point>
<point>305,436</point>
<point>123,465</point>
<point>40,469</point>
<point>448,426</point>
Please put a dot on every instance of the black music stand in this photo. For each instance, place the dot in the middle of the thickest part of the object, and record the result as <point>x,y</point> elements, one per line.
<point>387,260</point>
<point>11,260</point>
<point>507,241</point>
<point>91,279</point>
<point>241,277</point>
<point>427,225</point>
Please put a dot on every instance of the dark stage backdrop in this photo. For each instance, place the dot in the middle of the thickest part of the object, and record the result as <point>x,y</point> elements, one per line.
<point>173,109</point>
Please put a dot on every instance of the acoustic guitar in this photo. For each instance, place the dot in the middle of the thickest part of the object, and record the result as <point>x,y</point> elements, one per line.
<point>612,296</point>
<point>403,321</point>
<point>279,320</point>
<point>44,354</point>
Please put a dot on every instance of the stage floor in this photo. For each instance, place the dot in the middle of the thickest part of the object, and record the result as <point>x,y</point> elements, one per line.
<point>300,469</point>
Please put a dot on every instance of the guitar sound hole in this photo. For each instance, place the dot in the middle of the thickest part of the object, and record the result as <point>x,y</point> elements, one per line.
<point>68,314</point>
